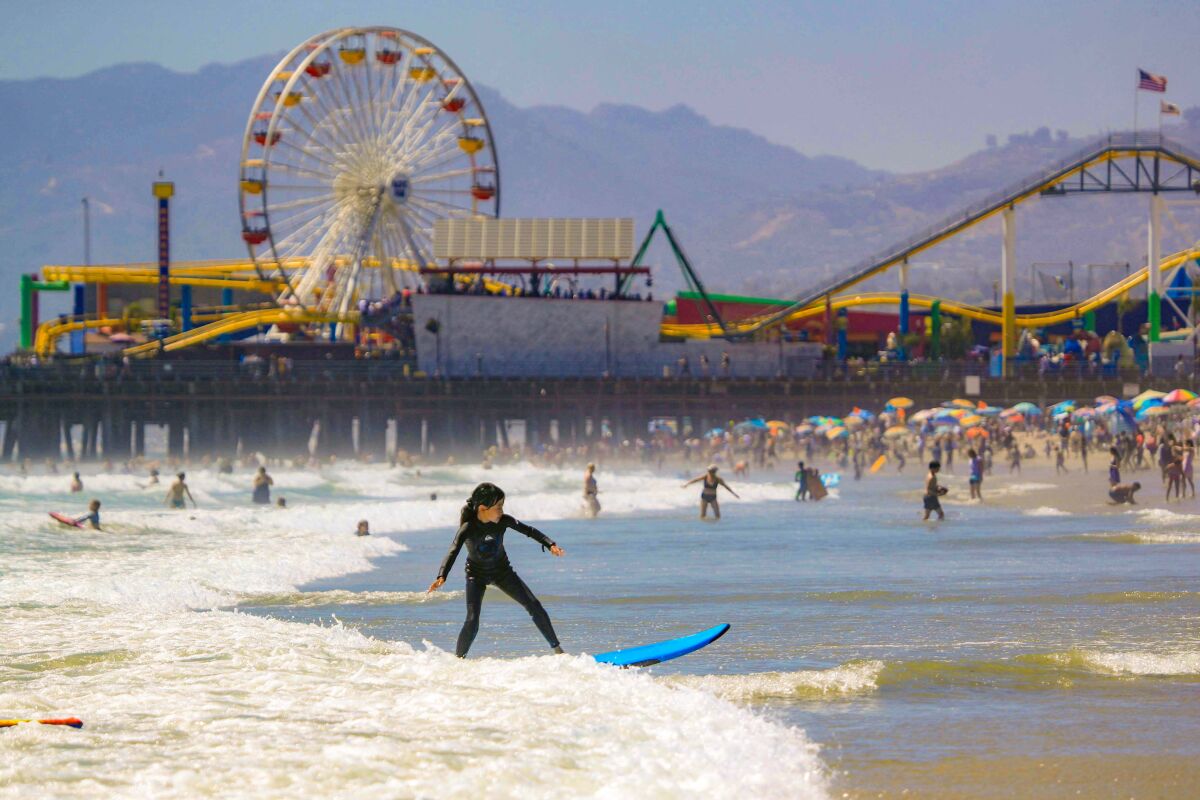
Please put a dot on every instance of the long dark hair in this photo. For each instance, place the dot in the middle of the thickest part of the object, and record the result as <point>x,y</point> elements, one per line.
<point>485,494</point>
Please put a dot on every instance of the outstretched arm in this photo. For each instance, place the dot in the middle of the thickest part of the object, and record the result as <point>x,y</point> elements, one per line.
<point>532,533</point>
<point>693,480</point>
<point>452,554</point>
<point>726,485</point>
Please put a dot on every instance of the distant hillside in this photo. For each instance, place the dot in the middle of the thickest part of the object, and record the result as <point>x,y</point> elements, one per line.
<point>753,216</point>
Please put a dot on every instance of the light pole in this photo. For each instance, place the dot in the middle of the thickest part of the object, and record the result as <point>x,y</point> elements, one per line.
<point>87,233</point>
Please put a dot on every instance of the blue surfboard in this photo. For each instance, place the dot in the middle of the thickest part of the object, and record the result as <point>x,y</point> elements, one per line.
<point>658,652</point>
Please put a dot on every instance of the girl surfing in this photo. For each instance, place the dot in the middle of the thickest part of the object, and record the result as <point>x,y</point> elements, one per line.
<point>481,528</point>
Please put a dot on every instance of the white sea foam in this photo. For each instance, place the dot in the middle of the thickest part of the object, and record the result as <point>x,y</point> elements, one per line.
<point>103,625</point>
<point>1141,663</point>
<point>1046,511</point>
<point>852,678</point>
<point>1164,516</point>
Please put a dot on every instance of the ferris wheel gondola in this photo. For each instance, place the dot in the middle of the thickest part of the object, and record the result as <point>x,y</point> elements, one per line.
<point>359,141</point>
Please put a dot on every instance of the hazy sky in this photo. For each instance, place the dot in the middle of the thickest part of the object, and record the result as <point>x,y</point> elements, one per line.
<point>902,85</point>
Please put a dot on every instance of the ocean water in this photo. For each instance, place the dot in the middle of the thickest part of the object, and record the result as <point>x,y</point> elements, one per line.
<point>236,651</point>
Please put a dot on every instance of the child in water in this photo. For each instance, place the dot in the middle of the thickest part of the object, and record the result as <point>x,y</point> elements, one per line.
<point>482,523</point>
<point>364,528</point>
<point>93,515</point>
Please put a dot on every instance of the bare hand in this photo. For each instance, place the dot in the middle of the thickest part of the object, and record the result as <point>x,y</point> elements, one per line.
<point>433,587</point>
<point>556,550</point>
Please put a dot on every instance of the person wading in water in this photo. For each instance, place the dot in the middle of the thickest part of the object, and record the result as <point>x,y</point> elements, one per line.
<point>708,493</point>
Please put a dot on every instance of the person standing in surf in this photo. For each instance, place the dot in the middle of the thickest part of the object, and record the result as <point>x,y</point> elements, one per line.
<point>178,491</point>
<point>976,480</point>
<point>262,487</point>
<point>801,483</point>
<point>934,492</point>
<point>481,529</point>
<point>590,490</point>
<point>708,493</point>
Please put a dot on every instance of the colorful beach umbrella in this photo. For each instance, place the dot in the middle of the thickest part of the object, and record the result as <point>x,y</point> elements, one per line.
<point>900,402</point>
<point>1149,394</point>
<point>1178,396</point>
<point>1153,411</point>
<point>1147,402</point>
<point>1065,405</point>
<point>1028,409</point>
<point>959,402</point>
<point>1104,399</point>
<point>981,433</point>
<point>989,411</point>
<point>896,431</point>
<point>837,433</point>
<point>925,414</point>
<point>971,420</point>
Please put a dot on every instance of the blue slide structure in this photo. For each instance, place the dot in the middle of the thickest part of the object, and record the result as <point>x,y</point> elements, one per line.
<point>658,652</point>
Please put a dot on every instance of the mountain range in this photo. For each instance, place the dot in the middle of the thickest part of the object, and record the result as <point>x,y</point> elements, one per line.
<point>754,217</point>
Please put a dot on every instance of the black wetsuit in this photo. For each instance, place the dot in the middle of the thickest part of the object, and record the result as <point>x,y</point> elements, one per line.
<point>487,563</point>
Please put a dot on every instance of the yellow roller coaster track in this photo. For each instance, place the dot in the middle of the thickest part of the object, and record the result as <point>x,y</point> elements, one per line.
<point>1041,319</point>
<point>1105,151</point>
<point>236,274</point>
<point>234,323</point>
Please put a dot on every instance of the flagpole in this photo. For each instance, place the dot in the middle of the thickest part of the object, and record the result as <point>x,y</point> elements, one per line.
<point>1135,104</point>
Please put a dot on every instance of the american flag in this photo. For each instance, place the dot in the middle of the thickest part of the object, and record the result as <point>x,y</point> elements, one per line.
<point>1151,82</point>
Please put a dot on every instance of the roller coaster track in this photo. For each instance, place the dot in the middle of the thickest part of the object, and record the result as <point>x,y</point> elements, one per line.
<point>233,323</point>
<point>991,316</point>
<point>217,274</point>
<point>1055,179</point>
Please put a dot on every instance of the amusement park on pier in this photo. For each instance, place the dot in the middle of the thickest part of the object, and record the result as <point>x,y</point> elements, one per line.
<point>369,201</point>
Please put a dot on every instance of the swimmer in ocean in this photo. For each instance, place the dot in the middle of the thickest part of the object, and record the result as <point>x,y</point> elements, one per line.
<point>93,515</point>
<point>708,492</point>
<point>76,483</point>
<point>481,530</point>
<point>363,529</point>
<point>178,491</point>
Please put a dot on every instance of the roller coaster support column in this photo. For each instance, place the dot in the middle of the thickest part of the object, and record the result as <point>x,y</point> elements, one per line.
<point>30,286</point>
<point>829,334</point>
<point>227,301</point>
<point>185,308</point>
<point>843,323</point>
<point>1008,282</point>
<point>79,309</point>
<point>903,309</point>
<point>1154,278</point>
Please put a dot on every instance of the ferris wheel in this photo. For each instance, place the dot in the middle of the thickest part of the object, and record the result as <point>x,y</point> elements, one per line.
<point>360,139</point>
